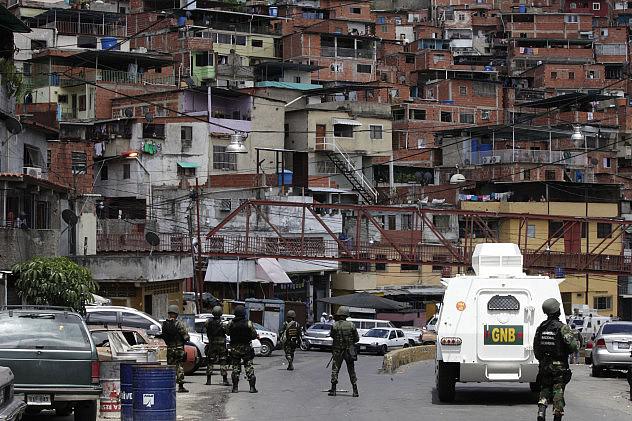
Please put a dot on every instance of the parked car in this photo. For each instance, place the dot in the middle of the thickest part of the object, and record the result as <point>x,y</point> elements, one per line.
<point>137,339</point>
<point>428,337</point>
<point>318,336</point>
<point>364,325</point>
<point>612,347</point>
<point>382,340</point>
<point>432,323</point>
<point>263,347</point>
<point>54,360</point>
<point>414,334</point>
<point>130,317</point>
<point>11,408</point>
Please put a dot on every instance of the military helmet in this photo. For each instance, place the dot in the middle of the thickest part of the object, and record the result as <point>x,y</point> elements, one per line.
<point>173,309</point>
<point>240,311</point>
<point>217,311</point>
<point>551,306</point>
<point>291,314</point>
<point>343,311</point>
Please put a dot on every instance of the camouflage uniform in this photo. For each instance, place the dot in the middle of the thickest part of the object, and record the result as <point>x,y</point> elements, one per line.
<point>175,334</point>
<point>292,334</point>
<point>345,335</point>
<point>216,348</point>
<point>241,332</point>
<point>553,342</point>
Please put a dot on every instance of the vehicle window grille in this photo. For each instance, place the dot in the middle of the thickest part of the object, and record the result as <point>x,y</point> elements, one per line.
<point>503,302</point>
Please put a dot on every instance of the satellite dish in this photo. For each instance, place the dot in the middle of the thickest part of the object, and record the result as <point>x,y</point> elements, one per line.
<point>13,125</point>
<point>149,117</point>
<point>69,217</point>
<point>128,112</point>
<point>152,238</point>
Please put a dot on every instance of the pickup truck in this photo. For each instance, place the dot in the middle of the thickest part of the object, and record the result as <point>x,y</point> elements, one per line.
<point>53,358</point>
<point>11,409</point>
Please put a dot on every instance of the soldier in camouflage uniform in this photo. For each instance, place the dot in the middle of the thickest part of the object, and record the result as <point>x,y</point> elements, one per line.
<point>553,343</point>
<point>216,352</point>
<point>241,332</point>
<point>175,334</point>
<point>345,336</point>
<point>291,335</point>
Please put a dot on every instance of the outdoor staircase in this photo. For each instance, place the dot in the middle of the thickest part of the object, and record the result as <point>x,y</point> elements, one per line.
<point>354,175</point>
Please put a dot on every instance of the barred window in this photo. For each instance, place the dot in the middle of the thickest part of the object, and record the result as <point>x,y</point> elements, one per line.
<point>223,160</point>
<point>79,162</point>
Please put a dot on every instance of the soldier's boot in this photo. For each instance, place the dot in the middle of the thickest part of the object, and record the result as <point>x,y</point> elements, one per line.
<point>557,417</point>
<point>225,380</point>
<point>290,364</point>
<point>332,391</point>
<point>253,381</point>
<point>235,383</point>
<point>181,388</point>
<point>541,412</point>
<point>355,390</point>
<point>208,379</point>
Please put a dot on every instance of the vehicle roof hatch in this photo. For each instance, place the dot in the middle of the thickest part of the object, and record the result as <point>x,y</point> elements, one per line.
<point>492,259</point>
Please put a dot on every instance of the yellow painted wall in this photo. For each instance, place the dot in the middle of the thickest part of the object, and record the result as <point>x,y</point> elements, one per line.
<point>267,50</point>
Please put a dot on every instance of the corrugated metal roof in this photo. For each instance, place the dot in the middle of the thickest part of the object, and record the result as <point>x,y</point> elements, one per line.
<point>288,85</point>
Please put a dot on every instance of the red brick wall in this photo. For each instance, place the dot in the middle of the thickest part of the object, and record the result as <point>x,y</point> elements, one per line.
<point>61,165</point>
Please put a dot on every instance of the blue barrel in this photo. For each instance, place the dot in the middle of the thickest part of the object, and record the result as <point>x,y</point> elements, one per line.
<point>285,178</point>
<point>108,43</point>
<point>182,21</point>
<point>522,8</point>
<point>154,393</point>
<point>126,392</point>
<point>489,69</point>
<point>559,272</point>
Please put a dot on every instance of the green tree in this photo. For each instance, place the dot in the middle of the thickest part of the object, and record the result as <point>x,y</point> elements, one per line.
<point>55,281</point>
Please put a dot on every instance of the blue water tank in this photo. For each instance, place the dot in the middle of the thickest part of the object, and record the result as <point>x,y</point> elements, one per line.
<point>489,69</point>
<point>273,11</point>
<point>522,8</point>
<point>109,43</point>
<point>126,392</point>
<point>285,178</point>
<point>182,21</point>
<point>154,393</point>
<point>559,272</point>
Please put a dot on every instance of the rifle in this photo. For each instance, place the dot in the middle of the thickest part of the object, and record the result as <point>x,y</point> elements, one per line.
<point>330,360</point>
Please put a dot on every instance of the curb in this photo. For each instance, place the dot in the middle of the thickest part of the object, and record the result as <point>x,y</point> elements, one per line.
<point>395,359</point>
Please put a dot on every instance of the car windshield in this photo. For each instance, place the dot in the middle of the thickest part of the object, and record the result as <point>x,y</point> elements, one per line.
<point>37,330</point>
<point>320,326</point>
<point>617,328</point>
<point>377,333</point>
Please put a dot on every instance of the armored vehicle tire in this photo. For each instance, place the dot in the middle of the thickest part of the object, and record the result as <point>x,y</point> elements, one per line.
<point>86,411</point>
<point>535,387</point>
<point>446,382</point>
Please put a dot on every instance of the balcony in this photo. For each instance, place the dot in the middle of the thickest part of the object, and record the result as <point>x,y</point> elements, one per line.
<point>506,156</point>
<point>241,28</point>
<point>96,29</point>
<point>116,243</point>
<point>346,53</point>
<point>120,77</point>
<point>236,72</point>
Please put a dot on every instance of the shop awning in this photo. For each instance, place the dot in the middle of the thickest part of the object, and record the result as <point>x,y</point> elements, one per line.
<point>346,122</point>
<point>185,164</point>
<point>271,270</point>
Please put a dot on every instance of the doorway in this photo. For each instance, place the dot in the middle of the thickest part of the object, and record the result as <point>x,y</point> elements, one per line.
<point>321,133</point>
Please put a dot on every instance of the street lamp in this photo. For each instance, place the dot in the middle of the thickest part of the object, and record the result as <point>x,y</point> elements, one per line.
<point>237,143</point>
<point>135,155</point>
<point>577,135</point>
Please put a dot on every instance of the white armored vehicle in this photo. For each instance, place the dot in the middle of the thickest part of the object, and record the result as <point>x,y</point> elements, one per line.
<point>487,321</point>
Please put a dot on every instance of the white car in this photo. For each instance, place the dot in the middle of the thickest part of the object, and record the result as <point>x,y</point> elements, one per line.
<point>263,346</point>
<point>414,335</point>
<point>381,340</point>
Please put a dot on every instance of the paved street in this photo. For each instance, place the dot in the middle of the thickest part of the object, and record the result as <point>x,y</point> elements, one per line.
<point>405,395</point>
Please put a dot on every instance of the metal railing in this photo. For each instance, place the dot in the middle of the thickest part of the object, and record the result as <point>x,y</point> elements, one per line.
<point>507,156</point>
<point>98,29</point>
<point>117,76</point>
<point>346,52</point>
<point>115,243</point>
<point>331,144</point>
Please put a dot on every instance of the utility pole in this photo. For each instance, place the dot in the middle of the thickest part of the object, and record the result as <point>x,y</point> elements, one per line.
<point>198,272</point>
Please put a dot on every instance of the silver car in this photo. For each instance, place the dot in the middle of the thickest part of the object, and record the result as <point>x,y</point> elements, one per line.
<point>612,347</point>
<point>318,336</point>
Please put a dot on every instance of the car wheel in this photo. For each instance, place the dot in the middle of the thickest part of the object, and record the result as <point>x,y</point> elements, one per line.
<point>595,371</point>
<point>382,350</point>
<point>406,345</point>
<point>305,346</point>
<point>411,343</point>
<point>266,348</point>
<point>62,409</point>
<point>86,411</point>
<point>446,382</point>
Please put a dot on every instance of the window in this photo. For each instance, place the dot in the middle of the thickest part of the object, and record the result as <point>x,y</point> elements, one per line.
<point>203,59</point>
<point>531,230</point>
<point>32,156</point>
<point>571,75</point>
<point>573,6</point>
<point>408,266</point>
<point>104,172</point>
<point>592,74</point>
<point>463,90</point>
<point>38,44</point>
<point>126,171</point>
<point>604,230</point>
<point>186,136</point>
<point>223,160</point>
<point>550,175</point>
<point>356,10</point>
<point>135,320</point>
<point>257,43</point>
<point>603,303</point>
<point>392,335</point>
<point>224,38</point>
<point>606,162</point>
<point>466,118</point>
<point>571,18</point>
<point>400,334</point>
<point>441,222</point>
<point>375,132</point>
<point>410,59</point>
<point>154,131</point>
<point>101,318</point>
<point>556,229</point>
<point>596,6</point>
<point>380,266</point>
<point>79,162</point>
<point>186,171</point>
<point>604,32</point>
<point>49,157</point>
<point>399,114</point>
<point>446,116</point>
<point>461,16</point>
<point>381,20</point>
<point>364,68</point>
<point>407,222</point>
<point>526,174</point>
<point>82,102</point>
<point>415,114</point>
<point>343,130</point>
<point>86,41</point>
<point>240,40</point>
<point>392,222</point>
<point>437,268</point>
<point>553,75</point>
<point>62,99</point>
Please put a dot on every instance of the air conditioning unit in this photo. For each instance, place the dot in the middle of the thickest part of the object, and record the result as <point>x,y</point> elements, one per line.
<point>33,172</point>
<point>495,159</point>
<point>487,160</point>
